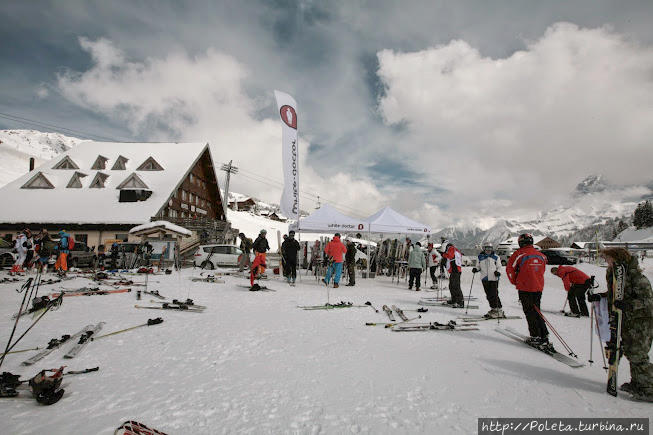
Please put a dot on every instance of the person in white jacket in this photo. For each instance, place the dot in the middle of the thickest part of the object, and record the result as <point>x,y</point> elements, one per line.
<point>21,246</point>
<point>489,266</point>
<point>432,263</point>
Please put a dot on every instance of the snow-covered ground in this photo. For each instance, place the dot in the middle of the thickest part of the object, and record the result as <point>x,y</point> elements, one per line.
<point>255,363</point>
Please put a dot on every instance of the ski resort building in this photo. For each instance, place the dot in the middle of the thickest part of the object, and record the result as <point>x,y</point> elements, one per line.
<point>98,191</point>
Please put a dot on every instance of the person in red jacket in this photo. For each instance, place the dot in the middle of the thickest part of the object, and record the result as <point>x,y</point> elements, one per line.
<point>576,283</point>
<point>525,270</point>
<point>334,250</point>
<point>454,267</point>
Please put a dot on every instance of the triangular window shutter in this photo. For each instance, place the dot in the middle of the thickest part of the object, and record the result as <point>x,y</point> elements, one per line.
<point>66,163</point>
<point>100,163</point>
<point>75,181</point>
<point>98,181</point>
<point>38,181</point>
<point>121,164</point>
<point>150,165</point>
<point>133,182</point>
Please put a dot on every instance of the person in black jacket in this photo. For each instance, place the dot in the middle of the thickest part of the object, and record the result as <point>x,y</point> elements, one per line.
<point>289,249</point>
<point>261,246</point>
<point>350,260</point>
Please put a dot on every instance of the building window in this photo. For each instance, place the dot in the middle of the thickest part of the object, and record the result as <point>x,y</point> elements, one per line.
<point>75,181</point>
<point>82,238</point>
<point>66,163</point>
<point>150,165</point>
<point>38,181</point>
<point>133,182</point>
<point>100,163</point>
<point>98,181</point>
<point>191,178</point>
<point>121,164</point>
<point>123,237</point>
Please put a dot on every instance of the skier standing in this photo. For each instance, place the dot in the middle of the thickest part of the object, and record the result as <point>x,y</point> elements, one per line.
<point>335,249</point>
<point>489,266</point>
<point>350,260</point>
<point>576,283</point>
<point>432,262</point>
<point>289,249</point>
<point>454,266</point>
<point>261,246</point>
<point>61,266</point>
<point>29,255</point>
<point>525,270</point>
<point>246,247</point>
<point>416,263</point>
<point>45,249</point>
<point>20,245</point>
<point>637,321</point>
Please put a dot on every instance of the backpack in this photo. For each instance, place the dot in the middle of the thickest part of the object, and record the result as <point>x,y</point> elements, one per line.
<point>71,243</point>
<point>46,248</point>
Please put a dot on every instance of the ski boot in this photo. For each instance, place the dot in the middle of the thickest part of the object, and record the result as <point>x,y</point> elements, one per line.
<point>46,388</point>
<point>458,305</point>
<point>627,387</point>
<point>575,315</point>
<point>255,288</point>
<point>433,287</point>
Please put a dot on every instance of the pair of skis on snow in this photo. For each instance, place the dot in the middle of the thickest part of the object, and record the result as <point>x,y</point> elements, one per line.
<point>174,305</point>
<point>84,336</point>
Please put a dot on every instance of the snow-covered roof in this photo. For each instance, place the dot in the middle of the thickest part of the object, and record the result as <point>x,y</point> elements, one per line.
<point>164,225</point>
<point>388,220</point>
<point>99,205</point>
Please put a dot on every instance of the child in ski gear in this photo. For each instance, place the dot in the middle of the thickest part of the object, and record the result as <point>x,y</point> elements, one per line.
<point>489,266</point>
<point>20,245</point>
<point>335,249</point>
<point>576,283</point>
<point>350,260</point>
<point>454,267</point>
<point>245,246</point>
<point>416,263</point>
<point>289,250</point>
<point>525,270</point>
<point>261,246</point>
<point>432,262</point>
<point>637,320</point>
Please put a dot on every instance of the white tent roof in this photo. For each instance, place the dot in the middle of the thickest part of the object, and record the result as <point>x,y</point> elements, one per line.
<point>329,220</point>
<point>387,220</point>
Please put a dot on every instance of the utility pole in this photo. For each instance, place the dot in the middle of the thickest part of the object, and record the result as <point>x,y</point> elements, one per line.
<point>229,169</point>
<point>318,203</point>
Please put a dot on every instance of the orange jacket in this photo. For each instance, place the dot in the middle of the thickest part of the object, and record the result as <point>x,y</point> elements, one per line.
<point>335,249</point>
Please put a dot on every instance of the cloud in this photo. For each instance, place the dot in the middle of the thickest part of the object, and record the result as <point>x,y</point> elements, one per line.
<point>202,98</point>
<point>521,130</point>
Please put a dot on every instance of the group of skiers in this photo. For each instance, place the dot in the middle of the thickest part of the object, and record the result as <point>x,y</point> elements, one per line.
<point>36,251</point>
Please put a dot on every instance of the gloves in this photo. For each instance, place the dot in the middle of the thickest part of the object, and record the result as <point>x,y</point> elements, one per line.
<point>594,297</point>
<point>474,270</point>
<point>497,273</point>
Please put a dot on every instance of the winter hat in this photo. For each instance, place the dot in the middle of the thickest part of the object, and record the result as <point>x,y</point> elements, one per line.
<point>337,234</point>
<point>241,235</point>
<point>418,244</point>
<point>263,232</point>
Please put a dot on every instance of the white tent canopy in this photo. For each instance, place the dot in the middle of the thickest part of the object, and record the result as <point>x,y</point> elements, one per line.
<point>387,220</point>
<point>328,220</point>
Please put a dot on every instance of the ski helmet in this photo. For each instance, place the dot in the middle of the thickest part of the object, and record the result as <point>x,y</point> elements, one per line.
<point>487,246</point>
<point>525,239</point>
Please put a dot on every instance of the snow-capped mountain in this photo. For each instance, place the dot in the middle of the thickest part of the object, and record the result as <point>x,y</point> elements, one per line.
<point>17,146</point>
<point>593,202</point>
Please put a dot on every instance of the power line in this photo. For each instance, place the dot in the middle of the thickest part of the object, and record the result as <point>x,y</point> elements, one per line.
<point>20,119</point>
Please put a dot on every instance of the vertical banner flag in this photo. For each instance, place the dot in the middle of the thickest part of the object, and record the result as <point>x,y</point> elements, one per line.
<point>290,161</point>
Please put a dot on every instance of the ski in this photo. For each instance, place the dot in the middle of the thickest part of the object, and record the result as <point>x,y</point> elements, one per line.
<point>54,344</point>
<point>210,279</point>
<point>435,326</point>
<point>90,292</point>
<point>168,306</point>
<point>83,341</point>
<point>482,318</point>
<point>438,299</point>
<point>439,304</point>
<point>257,289</point>
<point>511,333</point>
<point>613,347</point>
<point>188,302</point>
<point>154,293</point>
<point>388,311</point>
<point>400,313</point>
<point>340,304</point>
<point>131,427</point>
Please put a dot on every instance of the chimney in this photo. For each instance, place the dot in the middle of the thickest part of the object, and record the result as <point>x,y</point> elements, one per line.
<point>31,164</point>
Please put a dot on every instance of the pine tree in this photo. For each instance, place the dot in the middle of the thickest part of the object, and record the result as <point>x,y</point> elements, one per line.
<point>643,216</point>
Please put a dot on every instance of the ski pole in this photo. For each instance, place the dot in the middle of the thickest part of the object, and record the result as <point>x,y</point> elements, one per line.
<point>22,350</point>
<point>81,372</point>
<point>469,298</point>
<point>371,306</point>
<point>591,334</point>
<point>555,332</point>
<point>8,348</point>
<point>150,322</point>
<point>564,307</point>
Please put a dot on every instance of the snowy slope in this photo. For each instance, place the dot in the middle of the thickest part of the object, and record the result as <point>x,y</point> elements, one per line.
<point>254,363</point>
<point>17,146</point>
<point>634,235</point>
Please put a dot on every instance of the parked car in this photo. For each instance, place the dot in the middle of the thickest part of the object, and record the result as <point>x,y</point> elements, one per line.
<point>558,258</point>
<point>81,256</point>
<point>7,257</point>
<point>214,255</point>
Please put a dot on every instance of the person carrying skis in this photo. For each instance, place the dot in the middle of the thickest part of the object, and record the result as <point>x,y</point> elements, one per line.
<point>334,250</point>
<point>261,246</point>
<point>489,266</point>
<point>637,320</point>
<point>416,263</point>
<point>454,266</point>
<point>525,270</point>
<point>20,245</point>
<point>576,283</point>
<point>245,246</point>
<point>350,260</point>
<point>289,249</point>
<point>61,266</point>
<point>432,263</point>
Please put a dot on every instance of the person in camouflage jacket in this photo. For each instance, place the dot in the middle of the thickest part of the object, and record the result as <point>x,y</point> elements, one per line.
<point>637,321</point>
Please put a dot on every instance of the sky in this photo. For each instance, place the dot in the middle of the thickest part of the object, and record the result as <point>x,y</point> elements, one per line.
<point>450,112</point>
